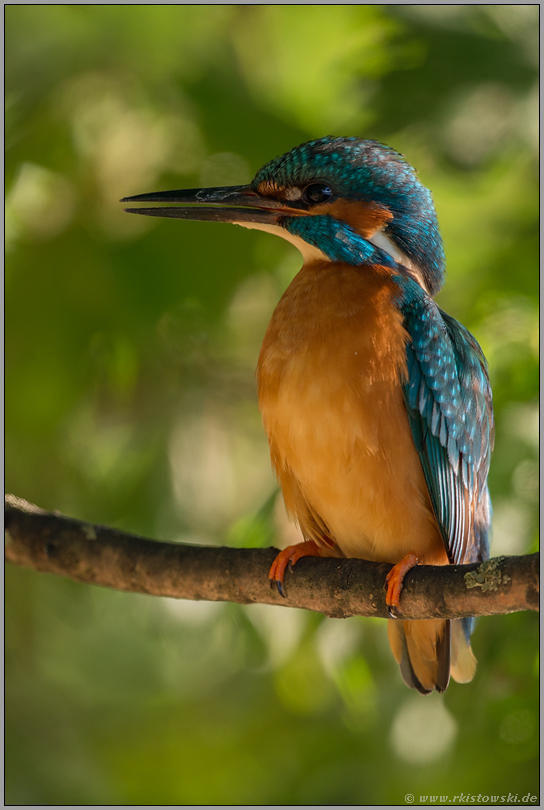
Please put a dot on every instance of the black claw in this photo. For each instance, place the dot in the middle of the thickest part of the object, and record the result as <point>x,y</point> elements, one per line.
<point>392,612</point>
<point>280,588</point>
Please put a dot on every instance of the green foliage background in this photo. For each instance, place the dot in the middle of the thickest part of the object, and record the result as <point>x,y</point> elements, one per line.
<point>130,398</point>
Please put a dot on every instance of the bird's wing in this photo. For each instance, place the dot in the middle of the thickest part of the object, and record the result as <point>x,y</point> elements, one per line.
<point>448,398</point>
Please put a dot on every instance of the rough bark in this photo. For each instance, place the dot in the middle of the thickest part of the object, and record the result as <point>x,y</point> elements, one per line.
<point>99,555</point>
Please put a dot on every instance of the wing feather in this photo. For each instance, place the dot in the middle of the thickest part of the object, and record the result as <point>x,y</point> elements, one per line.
<point>448,399</point>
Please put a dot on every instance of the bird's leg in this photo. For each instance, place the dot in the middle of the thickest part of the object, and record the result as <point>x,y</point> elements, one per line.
<point>288,557</point>
<point>394,581</point>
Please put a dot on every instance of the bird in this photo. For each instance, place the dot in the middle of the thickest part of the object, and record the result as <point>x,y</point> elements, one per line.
<point>377,403</point>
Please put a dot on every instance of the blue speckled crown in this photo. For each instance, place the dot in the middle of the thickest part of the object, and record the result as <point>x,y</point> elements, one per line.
<point>360,169</point>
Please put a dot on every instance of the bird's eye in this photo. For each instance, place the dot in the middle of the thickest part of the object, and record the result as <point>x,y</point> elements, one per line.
<point>317,193</point>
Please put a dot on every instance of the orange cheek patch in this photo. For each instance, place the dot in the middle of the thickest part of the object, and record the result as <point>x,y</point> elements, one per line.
<point>366,218</point>
<point>267,188</point>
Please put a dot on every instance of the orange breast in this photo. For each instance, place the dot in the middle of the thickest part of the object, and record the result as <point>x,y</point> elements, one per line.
<point>329,375</point>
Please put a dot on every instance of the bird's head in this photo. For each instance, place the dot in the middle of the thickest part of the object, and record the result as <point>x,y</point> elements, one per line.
<point>338,199</point>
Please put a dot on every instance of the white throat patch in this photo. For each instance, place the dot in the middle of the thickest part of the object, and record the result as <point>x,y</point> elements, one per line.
<point>312,254</point>
<point>309,252</point>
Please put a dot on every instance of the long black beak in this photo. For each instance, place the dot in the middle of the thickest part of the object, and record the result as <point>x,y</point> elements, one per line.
<point>224,204</point>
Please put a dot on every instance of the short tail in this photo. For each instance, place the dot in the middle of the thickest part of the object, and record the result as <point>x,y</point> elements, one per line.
<point>429,651</point>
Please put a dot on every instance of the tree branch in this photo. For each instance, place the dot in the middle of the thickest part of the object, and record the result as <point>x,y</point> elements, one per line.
<point>98,555</point>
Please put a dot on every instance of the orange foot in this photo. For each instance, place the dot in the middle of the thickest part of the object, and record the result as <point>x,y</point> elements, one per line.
<point>289,556</point>
<point>394,581</point>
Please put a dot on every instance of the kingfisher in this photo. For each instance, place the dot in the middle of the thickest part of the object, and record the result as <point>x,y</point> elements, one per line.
<point>376,403</point>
